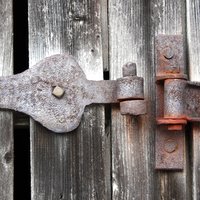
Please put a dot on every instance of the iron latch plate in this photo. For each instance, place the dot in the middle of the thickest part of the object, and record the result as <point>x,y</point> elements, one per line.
<point>55,92</point>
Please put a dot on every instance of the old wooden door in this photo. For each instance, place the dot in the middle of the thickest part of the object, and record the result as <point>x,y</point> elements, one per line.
<point>109,156</point>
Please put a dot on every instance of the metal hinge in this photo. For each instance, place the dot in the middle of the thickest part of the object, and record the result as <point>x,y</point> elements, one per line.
<point>178,102</point>
<point>55,92</point>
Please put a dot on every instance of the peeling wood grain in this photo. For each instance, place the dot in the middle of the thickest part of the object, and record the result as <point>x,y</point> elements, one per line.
<point>6,123</point>
<point>193,41</point>
<point>74,165</point>
<point>133,27</point>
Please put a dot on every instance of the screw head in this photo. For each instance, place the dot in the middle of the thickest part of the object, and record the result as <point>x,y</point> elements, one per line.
<point>129,69</point>
<point>168,53</point>
<point>170,145</point>
<point>58,92</point>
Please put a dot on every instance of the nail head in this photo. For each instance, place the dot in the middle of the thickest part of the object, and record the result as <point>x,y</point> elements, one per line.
<point>58,92</point>
<point>168,53</point>
<point>170,145</point>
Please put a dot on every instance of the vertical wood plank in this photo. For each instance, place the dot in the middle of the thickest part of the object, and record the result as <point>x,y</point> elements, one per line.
<point>6,123</point>
<point>193,41</point>
<point>72,165</point>
<point>104,27</point>
<point>132,137</point>
<point>133,27</point>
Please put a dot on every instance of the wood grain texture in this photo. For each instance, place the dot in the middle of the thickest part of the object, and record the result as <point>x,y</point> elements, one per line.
<point>193,41</point>
<point>133,27</point>
<point>6,123</point>
<point>132,138</point>
<point>73,165</point>
<point>104,33</point>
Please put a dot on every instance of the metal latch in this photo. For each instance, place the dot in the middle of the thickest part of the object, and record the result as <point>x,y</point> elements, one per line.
<point>178,102</point>
<point>55,92</point>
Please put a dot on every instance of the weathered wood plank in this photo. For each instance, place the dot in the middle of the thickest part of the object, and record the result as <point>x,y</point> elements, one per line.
<point>6,122</point>
<point>132,138</point>
<point>193,41</point>
<point>73,165</point>
<point>133,27</point>
<point>104,27</point>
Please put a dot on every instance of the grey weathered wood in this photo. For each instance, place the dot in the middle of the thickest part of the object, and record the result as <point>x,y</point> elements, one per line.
<point>6,130</point>
<point>193,41</point>
<point>133,27</point>
<point>132,138</point>
<point>104,27</point>
<point>72,165</point>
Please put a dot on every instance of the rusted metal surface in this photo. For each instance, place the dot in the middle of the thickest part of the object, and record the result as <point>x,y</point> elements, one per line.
<point>178,100</point>
<point>55,92</point>
<point>130,86</point>
<point>192,101</point>
<point>134,107</point>
<point>169,57</point>
<point>181,101</point>
<point>169,149</point>
<point>171,82</point>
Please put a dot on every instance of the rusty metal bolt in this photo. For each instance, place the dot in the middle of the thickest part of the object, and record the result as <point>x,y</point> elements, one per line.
<point>58,92</point>
<point>170,145</point>
<point>168,53</point>
<point>129,69</point>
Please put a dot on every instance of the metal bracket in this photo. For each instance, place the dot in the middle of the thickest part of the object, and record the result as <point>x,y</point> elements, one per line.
<point>55,92</point>
<point>177,102</point>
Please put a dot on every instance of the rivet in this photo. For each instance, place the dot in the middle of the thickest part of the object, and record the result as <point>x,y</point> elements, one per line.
<point>168,53</point>
<point>129,69</point>
<point>58,92</point>
<point>170,145</point>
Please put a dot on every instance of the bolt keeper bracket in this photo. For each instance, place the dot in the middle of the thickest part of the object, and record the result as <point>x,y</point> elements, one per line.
<point>177,101</point>
<point>55,92</point>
